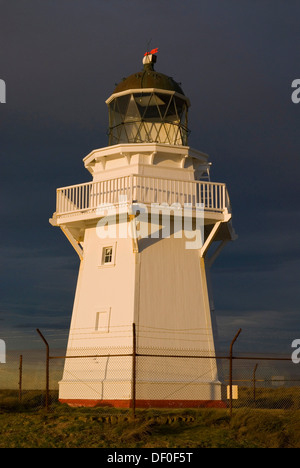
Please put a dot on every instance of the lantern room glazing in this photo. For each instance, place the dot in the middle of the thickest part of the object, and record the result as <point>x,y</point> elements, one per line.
<point>148,117</point>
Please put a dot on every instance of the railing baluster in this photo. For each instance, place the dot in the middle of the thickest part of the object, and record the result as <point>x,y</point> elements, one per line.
<point>67,200</point>
<point>100,188</point>
<point>64,200</point>
<point>68,206</point>
<point>75,198</point>
<point>94,195</point>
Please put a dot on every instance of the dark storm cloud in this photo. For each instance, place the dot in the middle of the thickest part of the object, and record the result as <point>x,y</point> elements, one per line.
<point>236,61</point>
<point>260,331</point>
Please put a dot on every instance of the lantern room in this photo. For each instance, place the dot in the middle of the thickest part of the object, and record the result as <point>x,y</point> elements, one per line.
<point>148,107</point>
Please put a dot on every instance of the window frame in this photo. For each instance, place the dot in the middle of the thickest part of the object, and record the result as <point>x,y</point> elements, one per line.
<point>103,255</point>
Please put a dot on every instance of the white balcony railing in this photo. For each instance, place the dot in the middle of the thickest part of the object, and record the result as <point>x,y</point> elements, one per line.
<point>142,189</point>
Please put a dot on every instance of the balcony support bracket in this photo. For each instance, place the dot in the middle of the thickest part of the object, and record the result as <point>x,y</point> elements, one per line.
<point>75,244</point>
<point>209,239</point>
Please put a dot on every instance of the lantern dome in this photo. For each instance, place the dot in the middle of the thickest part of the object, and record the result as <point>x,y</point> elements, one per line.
<point>149,78</point>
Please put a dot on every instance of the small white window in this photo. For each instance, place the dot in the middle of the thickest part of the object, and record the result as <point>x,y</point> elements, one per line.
<point>108,255</point>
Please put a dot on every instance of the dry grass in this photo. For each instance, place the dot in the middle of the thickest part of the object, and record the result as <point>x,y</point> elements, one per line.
<point>28,426</point>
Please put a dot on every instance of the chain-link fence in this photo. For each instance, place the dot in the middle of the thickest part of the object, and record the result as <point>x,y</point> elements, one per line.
<point>126,379</point>
<point>266,382</point>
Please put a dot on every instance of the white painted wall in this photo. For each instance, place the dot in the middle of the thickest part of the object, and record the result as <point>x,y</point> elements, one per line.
<point>162,289</point>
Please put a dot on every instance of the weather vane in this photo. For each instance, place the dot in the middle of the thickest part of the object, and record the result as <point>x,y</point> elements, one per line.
<point>153,51</point>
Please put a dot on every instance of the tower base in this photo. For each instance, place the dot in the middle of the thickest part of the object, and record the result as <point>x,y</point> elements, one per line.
<point>118,394</point>
<point>146,403</point>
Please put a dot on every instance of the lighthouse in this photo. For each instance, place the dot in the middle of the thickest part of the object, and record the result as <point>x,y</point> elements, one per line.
<point>146,228</point>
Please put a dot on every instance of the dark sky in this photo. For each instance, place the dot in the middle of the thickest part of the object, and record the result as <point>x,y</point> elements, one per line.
<point>236,60</point>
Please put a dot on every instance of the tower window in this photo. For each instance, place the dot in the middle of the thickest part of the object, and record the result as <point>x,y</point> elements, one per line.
<point>107,255</point>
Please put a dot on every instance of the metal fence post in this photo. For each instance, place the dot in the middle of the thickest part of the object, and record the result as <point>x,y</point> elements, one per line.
<point>254,384</point>
<point>20,378</point>
<point>133,369</point>
<point>47,369</point>
<point>230,368</point>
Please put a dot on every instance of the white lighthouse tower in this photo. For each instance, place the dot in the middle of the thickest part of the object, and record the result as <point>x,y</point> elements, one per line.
<point>142,229</point>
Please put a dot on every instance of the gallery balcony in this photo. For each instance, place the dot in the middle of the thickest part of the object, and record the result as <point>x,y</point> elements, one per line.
<point>79,202</point>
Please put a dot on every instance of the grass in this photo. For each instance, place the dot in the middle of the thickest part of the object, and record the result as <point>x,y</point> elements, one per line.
<point>29,426</point>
